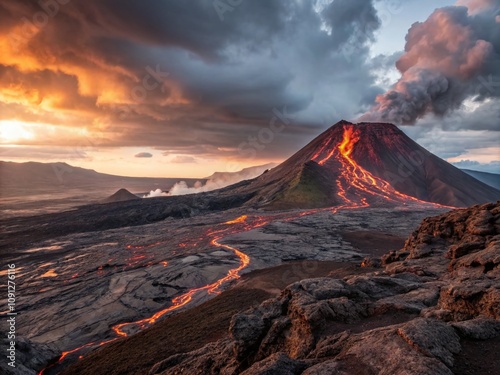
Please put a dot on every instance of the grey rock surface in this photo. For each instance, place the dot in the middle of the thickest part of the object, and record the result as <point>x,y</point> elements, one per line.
<point>408,318</point>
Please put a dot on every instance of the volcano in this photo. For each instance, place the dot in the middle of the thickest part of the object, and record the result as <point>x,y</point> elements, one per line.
<point>360,165</point>
<point>121,195</point>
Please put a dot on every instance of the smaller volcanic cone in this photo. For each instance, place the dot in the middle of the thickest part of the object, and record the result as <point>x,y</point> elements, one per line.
<point>121,195</point>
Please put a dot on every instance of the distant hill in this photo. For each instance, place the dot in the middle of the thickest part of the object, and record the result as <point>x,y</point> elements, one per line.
<point>31,178</point>
<point>244,174</point>
<point>491,179</point>
<point>121,195</point>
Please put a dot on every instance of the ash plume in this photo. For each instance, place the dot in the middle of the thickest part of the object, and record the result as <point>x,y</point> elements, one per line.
<point>448,58</point>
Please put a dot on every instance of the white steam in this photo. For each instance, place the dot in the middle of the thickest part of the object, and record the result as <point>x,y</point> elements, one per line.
<point>219,180</point>
<point>155,193</point>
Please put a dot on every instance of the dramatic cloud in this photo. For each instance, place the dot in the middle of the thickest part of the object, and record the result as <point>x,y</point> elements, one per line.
<point>175,76</point>
<point>452,56</point>
<point>247,84</point>
<point>144,155</point>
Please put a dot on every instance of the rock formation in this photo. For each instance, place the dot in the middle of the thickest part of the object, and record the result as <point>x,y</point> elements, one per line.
<point>410,317</point>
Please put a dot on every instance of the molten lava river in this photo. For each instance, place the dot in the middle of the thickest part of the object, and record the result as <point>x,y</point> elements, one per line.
<point>94,289</point>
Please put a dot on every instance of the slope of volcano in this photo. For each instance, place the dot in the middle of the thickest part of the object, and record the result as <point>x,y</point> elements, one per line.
<point>364,164</point>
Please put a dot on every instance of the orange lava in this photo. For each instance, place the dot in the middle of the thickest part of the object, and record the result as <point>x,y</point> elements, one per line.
<point>240,219</point>
<point>184,299</point>
<point>65,354</point>
<point>352,175</point>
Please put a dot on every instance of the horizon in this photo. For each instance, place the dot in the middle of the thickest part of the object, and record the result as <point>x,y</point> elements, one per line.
<point>138,94</point>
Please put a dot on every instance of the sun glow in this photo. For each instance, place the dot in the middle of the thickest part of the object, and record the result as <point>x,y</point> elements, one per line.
<point>12,131</point>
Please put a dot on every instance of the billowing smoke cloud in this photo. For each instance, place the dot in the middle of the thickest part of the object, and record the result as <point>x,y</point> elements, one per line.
<point>450,57</point>
<point>155,193</point>
<point>219,180</point>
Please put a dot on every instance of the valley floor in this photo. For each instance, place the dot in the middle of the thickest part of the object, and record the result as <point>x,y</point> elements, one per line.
<point>74,287</point>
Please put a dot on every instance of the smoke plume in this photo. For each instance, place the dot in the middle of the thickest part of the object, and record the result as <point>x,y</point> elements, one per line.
<point>450,57</point>
<point>155,193</point>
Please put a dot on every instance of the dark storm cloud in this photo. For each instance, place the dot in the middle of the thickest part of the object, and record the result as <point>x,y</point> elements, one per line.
<point>193,26</point>
<point>452,56</point>
<point>351,20</point>
<point>175,76</point>
<point>144,155</point>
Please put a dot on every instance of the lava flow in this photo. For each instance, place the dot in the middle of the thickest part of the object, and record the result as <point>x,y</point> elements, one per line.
<point>242,223</point>
<point>353,176</point>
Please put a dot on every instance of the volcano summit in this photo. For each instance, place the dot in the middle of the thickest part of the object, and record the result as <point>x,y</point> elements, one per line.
<point>364,164</point>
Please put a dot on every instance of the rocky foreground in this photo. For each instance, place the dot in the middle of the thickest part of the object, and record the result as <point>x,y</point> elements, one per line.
<point>413,316</point>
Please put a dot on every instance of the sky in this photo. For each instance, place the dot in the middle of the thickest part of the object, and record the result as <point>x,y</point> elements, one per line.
<point>184,89</point>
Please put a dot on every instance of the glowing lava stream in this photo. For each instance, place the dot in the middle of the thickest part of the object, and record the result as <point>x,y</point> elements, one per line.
<point>356,176</point>
<point>185,298</point>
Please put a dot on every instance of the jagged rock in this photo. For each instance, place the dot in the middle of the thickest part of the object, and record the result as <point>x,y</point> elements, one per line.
<point>432,338</point>
<point>393,256</point>
<point>274,339</point>
<point>168,363</point>
<point>371,262</point>
<point>472,244</point>
<point>200,361</point>
<point>382,286</point>
<point>467,299</point>
<point>481,223</point>
<point>327,367</point>
<point>478,329</point>
<point>246,331</point>
<point>488,259</point>
<point>330,346</point>
<point>384,351</point>
<point>411,302</point>
<point>276,364</point>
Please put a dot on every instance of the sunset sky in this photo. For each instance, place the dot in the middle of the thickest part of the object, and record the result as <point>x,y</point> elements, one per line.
<point>186,88</point>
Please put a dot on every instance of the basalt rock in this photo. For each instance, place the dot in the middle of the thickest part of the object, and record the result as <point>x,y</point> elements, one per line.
<point>407,318</point>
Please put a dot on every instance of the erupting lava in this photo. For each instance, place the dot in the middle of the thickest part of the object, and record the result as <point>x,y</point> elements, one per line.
<point>352,175</point>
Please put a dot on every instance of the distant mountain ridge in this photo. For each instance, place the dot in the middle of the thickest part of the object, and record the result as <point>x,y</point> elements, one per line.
<point>244,174</point>
<point>34,178</point>
<point>492,179</point>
